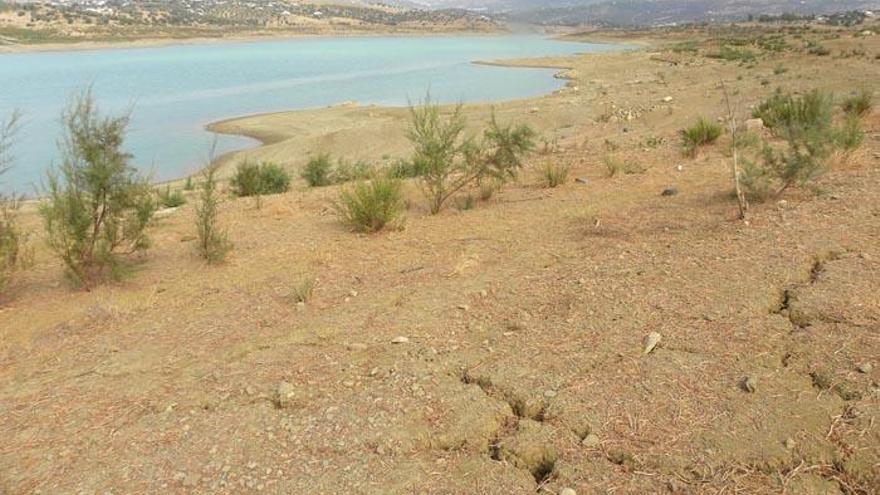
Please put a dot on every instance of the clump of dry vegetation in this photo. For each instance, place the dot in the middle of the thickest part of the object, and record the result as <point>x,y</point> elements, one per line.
<point>554,174</point>
<point>98,206</point>
<point>253,179</point>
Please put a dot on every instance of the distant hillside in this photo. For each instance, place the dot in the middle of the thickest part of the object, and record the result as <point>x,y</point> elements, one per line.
<point>640,12</point>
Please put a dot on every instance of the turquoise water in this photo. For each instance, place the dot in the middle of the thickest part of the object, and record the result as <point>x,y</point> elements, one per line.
<point>174,91</point>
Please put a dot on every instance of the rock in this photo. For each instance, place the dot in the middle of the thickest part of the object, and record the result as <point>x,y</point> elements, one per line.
<point>567,491</point>
<point>590,441</point>
<point>749,384</point>
<point>464,307</point>
<point>400,340</point>
<point>651,342</point>
<point>789,443</point>
<point>669,191</point>
<point>549,394</point>
<point>357,346</point>
<point>754,125</point>
<point>284,395</point>
<point>865,368</point>
<point>667,99</point>
<point>679,168</point>
<point>582,180</point>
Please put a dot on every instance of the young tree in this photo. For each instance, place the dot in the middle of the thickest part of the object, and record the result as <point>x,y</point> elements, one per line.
<point>214,243</point>
<point>449,161</point>
<point>12,241</point>
<point>98,206</point>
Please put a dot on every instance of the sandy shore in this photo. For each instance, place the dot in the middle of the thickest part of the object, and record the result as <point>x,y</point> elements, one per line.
<point>253,37</point>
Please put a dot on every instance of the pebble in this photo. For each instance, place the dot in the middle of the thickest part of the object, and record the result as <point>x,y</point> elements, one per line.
<point>788,443</point>
<point>651,342</point>
<point>400,340</point>
<point>749,384</point>
<point>667,99</point>
<point>680,168</point>
<point>866,368</point>
<point>590,441</point>
<point>464,307</point>
<point>549,394</point>
<point>285,394</point>
<point>582,180</point>
<point>567,491</point>
<point>669,191</point>
<point>356,346</point>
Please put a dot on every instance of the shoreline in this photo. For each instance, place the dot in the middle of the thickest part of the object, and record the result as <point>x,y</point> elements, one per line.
<point>224,126</point>
<point>255,37</point>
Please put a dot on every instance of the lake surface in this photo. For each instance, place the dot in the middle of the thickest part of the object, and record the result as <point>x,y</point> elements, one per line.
<point>174,91</point>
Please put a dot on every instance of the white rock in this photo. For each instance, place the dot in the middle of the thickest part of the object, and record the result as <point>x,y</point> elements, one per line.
<point>400,340</point>
<point>651,341</point>
<point>667,99</point>
<point>567,491</point>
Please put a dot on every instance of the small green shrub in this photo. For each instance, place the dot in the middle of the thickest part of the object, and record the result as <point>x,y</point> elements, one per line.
<point>703,133</point>
<point>188,185</point>
<point>858,105</point>
<point>97,206</point>
<point>370,206</point>
<point>804,125</point>
<point>318,171</point>
<point>259,179</point>
<point>785,114</point>
<point>170,199</point>
<point>554,174</point>
<point>214,243</point>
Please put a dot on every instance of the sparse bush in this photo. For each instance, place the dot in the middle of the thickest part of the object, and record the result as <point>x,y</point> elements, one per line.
<point>98,207</point>
<point>370,206</point>
<point>170,199</point>
<point>858,105</point>
<point>703,133</point>
<point>850,135</point>
<point>505,147</point>
<point>318,171</point>
<point>12,240</point>
<point>785,114</point>
<point>188,185</point>
<point>347,172</point>
<point>805,126</point>
<point>449,161</point>
<point>613,167</point>
<point>554,174</point>
<point>259,179</point>
<point>214,243</point>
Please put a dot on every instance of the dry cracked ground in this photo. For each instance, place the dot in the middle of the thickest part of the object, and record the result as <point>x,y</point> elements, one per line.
<point>497,350</point>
